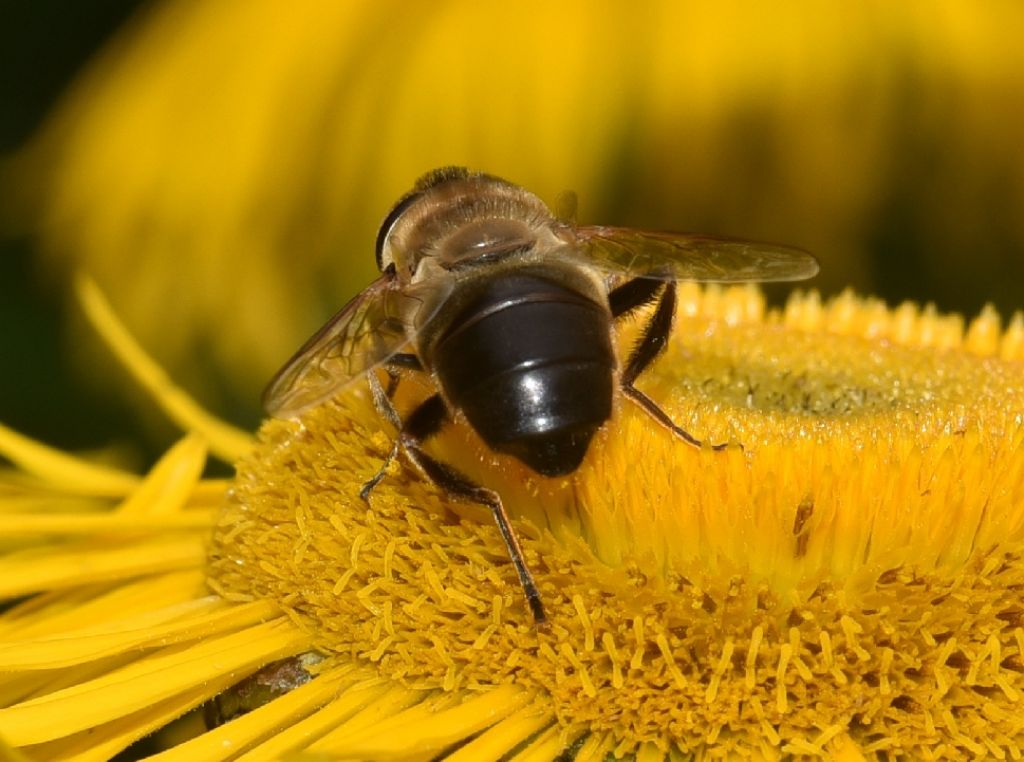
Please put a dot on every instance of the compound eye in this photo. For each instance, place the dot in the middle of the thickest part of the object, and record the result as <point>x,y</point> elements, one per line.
<point>389,223</point>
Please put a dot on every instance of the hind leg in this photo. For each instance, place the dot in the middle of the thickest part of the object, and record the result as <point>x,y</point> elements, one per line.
<point>424,422</point>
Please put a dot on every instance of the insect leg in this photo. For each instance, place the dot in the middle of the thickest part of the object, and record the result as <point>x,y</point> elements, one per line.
<point>404,361</point>
<point>426,421</point>
<point>632,294</point>
<point>385,407</point>
<point>652,343</point>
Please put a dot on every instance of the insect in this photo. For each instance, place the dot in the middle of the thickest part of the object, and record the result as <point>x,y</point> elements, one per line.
<point>260,688</point>
<point>511,311</point>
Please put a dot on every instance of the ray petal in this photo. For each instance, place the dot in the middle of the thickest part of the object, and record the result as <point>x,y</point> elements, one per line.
<point>424,729</point>
<point>355,698</point>
<point>58,611</point>
<point>228,442</point>
<point>242,733</point>
<point>506,735</point>
<point>193,620</point>
<point>48,568</point>
<point>148,681</point>
<point>60,470</point>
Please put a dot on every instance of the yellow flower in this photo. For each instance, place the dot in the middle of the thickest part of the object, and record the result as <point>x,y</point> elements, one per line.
<point>845,584</point>
<point>226,162</point>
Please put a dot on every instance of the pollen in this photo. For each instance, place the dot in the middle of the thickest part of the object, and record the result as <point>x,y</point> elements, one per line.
<point>843,577</point>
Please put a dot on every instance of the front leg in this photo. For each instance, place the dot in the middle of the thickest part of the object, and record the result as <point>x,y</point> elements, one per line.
<point>652,343</point>
<point>385,407</point>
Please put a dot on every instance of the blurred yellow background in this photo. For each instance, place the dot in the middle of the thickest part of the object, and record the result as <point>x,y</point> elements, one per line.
<point>221,167</point>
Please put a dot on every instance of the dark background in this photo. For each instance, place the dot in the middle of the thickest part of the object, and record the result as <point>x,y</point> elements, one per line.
<point>43,44</point>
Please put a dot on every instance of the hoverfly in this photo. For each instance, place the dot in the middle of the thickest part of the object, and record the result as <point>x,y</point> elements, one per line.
<point>511,312</point>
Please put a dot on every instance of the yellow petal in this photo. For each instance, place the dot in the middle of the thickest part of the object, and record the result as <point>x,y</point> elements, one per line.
<point>171,481</point>
<point>62,610</point>
<point>427,730</point>
<point>107,525</point>
<point>59,470</point>
<point>152,679</point>
<point>78,564</point>
<point>99,744</point>
<point>595,748</point>
<point>349,702</point>
<point>371,714</point>
<point>193,620</point>
<point>546,746</point>
<point>262,723</point>
<point>225,440</point>
<point>502,737</point>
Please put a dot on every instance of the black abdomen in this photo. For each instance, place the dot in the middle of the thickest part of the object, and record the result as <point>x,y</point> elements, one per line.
<point>530,364</point>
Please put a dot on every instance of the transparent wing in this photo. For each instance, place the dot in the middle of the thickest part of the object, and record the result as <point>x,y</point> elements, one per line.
<point>364,333</point>
<point>685,256</point>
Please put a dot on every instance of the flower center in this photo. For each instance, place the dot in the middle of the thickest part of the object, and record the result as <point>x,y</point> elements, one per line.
<point>853,560</point>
